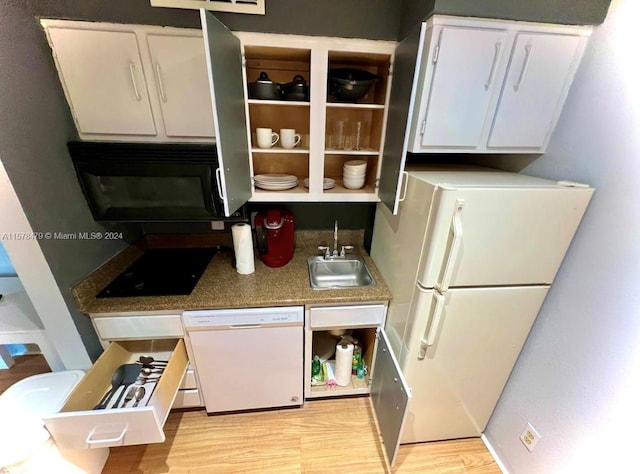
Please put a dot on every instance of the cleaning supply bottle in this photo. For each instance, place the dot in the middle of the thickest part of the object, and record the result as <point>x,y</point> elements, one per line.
<point>357,357</point>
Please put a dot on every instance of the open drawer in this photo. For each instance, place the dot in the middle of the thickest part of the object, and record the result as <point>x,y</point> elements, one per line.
<point>78,426</point>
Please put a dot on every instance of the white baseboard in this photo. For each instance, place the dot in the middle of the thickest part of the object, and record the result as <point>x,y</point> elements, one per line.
<point>494,454</point>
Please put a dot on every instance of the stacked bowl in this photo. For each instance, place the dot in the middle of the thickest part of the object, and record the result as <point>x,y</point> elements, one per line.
<point>354,173</point>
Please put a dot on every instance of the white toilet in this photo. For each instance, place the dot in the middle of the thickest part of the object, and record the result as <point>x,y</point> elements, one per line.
<point>25,444</point>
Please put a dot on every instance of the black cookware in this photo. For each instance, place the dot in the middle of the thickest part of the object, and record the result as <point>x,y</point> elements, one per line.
<point>350,85</point>
<point>297,89</point>
<point>264,88</point>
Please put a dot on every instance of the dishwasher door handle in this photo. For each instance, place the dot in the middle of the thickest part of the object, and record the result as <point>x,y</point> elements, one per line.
<point>245,326</point>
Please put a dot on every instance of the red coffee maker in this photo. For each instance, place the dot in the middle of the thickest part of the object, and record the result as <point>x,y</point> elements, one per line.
<point>275,236</point>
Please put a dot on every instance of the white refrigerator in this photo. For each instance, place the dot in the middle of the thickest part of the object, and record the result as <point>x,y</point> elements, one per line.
<point>469,260</point>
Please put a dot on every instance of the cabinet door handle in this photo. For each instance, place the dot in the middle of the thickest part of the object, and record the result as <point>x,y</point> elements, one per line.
<point>429,338</point>
<point>132,72</point>
<point>525,65</point>
<point>456,246</point>
<point>219,183</point>
<point>405,180</point>
<point>496,55</point>
<point>163,96</point>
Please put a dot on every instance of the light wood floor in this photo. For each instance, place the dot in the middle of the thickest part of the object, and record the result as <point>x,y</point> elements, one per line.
<point>325,436</point>
<point>23,367</point>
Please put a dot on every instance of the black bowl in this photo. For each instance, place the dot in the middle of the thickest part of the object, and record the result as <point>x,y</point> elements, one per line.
<point>350,85</point>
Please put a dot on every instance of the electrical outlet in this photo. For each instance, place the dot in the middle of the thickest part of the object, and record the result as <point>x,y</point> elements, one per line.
<point>530,437</point>
<point>217,225</point>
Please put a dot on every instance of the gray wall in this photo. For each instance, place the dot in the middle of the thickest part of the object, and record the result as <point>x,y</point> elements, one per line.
<point>572,12</point>
<point>578,377</point>
<point>347,18</point>
<point>35,125</point>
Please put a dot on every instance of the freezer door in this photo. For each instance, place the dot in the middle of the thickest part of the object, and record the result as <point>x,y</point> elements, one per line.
<point>461,355</point>
<point>500,236</point>
<point>390,396</point>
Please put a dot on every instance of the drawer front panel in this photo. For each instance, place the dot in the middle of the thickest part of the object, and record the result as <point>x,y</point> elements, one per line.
<point>138,327</point>
<point>347,316</point>
<point>78,426</point>
<point>187,399</point>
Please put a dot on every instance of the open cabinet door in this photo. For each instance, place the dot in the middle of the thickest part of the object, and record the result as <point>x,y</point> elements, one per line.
<point>224,66</point>
<point>406,66</point>
<point>390,396</point>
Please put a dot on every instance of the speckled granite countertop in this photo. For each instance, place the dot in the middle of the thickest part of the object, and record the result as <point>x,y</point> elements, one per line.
<point>222,287</point>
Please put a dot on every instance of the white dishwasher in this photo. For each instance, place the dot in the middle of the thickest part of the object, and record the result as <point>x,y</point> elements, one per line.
<point>248,358</point>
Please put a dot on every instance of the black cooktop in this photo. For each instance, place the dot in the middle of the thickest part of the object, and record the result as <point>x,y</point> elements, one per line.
<point>161,272</point>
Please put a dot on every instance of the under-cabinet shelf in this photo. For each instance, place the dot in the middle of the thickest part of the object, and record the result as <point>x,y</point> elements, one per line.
<point>277,149</point>
<point>349,105</point>
<point>282,103</point>
<point>366,152</point>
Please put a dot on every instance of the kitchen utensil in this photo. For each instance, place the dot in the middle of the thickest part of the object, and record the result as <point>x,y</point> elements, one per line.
<point>116,380</point>
<point>148,360</point>
<point>264,88</point>
<point>297,89</point>
<point>129,396</point>
<point>289,138</point>
<point>140,392</point>
<point>146,371</point>
<point>266,137</point>
<point>132,372</point>
<point>350,85</point>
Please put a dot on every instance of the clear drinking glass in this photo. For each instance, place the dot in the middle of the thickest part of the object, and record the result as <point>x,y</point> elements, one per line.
<point>360,135</point>
<point>338,138</point>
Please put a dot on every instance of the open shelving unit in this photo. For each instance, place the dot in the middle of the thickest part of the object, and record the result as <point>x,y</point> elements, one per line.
<point>314,157</point>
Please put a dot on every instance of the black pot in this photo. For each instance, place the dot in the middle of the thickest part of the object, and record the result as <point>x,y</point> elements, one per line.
<point>297,89</point>
<point>349,85</point>
<point>264,88</point>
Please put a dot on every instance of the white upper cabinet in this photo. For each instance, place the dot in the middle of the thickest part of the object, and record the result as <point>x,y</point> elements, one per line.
<point>541,69</point>
<point>132,82</point>
<point>180,72</point>
<point>487,86</point>
<point>464,80</point>
<point>102,74</point>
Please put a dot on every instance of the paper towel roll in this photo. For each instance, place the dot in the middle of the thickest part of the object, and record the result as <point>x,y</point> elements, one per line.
<point>344,360</point>
<point>243,247</point>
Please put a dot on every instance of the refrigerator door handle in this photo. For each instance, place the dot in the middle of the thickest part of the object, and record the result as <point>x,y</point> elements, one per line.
<point>456,246</point>
<point>431,331</point>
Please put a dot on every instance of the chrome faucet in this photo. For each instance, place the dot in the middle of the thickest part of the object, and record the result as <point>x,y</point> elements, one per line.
<point>335,254</point>
<point>335,239</point>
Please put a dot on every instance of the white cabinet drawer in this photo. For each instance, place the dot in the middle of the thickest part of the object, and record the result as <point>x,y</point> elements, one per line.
<point>112,328</point>
<point>187,399</point>
<point>189,380</point>
<point>347,316</point>
<point>78,426</point>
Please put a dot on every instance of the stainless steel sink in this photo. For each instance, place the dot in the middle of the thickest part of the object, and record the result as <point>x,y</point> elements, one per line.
<point>335,273</point>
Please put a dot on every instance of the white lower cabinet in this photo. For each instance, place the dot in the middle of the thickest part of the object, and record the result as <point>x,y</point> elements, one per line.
<point>79,426</point>
<point>384,381</point>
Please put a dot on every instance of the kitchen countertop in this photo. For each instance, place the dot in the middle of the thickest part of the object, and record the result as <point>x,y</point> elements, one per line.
<point>222,287</point>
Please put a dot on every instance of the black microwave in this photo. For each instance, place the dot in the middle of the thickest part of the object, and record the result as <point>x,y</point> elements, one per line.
<point>149,182</point>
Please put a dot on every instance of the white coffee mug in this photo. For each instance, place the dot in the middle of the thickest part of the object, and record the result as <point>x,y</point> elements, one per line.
<point>266,137</point>
<point>289,138</point>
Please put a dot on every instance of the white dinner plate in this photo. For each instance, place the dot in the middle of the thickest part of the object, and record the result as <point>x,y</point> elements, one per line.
<point>328,183</point>
<point>275,178</point>
<point>276,187</point>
